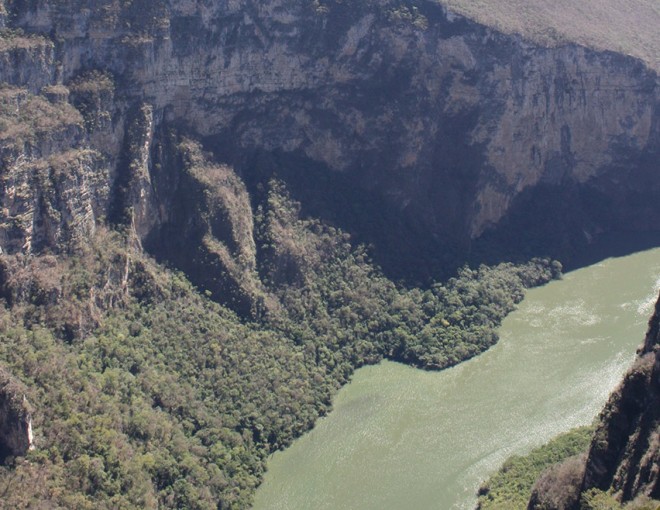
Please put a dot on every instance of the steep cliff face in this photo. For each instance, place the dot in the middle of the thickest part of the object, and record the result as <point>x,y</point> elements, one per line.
<point>413,128</point>
<point>15,420</point>
<point>205,224</point>
<point>451,131</point>
<point>622,464</point>
<point>625,452</point>
<point>53,185</point>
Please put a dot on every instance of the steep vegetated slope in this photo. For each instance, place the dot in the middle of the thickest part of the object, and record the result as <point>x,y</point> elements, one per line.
<point>615,467</point>
<point>184,187</point>
<point>148,394</point>
<point>510,487</point>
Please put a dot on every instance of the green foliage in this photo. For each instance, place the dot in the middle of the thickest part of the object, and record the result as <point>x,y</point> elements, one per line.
<point>147,394</point>
<point>466,311</point>
<point>145,409</point>
<point>595,499</point>
<point>510,487</point>
<point>336,297</point>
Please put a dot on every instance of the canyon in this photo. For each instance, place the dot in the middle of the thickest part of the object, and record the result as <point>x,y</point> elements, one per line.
<point>247,147</point>
<point>417,130</point>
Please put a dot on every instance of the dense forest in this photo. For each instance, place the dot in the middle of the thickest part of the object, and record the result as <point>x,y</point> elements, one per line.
<point>213,213</point>
<point>145,393</point>
<point>560,460</point>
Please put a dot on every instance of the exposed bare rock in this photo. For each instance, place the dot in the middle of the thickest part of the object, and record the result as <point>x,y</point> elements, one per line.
<point>625,453</point>
<point>203,223</point>
<point>435,121</point>
<point>27,60</point>
<point>16,436</point>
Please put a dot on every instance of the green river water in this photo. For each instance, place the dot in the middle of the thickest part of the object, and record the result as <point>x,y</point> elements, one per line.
<point>400,438</point>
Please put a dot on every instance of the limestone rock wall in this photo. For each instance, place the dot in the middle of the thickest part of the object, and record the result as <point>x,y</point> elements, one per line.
<point>448,124</point>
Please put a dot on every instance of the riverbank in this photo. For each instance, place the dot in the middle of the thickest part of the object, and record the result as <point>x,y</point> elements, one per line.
<point>400,437</point>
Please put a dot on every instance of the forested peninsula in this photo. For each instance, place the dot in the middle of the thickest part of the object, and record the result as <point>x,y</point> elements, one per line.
<point>146,393</point>
<point>213,212</point>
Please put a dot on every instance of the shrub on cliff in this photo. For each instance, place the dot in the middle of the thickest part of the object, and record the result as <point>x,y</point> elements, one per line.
<point>510,487</point>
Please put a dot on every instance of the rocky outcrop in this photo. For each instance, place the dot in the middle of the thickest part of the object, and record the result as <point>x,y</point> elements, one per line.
<point>558,488</point>
<point>624,456</point>
<point>448,130</point>
<point>625,452</point>
<point>15,419</point>
<point>207,227</point>
<point>53,187</point>
<point>28,60</point>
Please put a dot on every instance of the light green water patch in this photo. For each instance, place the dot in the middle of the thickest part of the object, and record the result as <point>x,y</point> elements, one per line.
<point>400,438</point>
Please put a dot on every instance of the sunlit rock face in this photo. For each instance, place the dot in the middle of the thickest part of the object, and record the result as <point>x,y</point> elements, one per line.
<point>445,133</point>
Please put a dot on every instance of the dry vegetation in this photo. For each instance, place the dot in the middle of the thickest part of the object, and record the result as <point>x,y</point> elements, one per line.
<point>15,39</point>
<point>25,118</point>
<point>631,27</point>
<point>510,487</point>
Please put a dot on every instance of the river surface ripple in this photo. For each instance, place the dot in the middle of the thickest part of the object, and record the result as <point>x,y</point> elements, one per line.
<point>400,438</point>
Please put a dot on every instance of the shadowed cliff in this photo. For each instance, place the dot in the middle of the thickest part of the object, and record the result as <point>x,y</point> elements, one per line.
<point>420,132</point>
<point>184,186</point>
